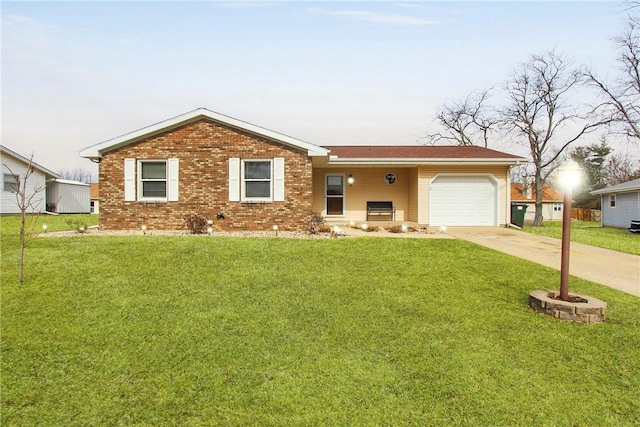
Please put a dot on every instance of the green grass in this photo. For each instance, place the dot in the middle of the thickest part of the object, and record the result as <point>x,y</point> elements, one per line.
<point>591,233</point>
<point>201,331</point>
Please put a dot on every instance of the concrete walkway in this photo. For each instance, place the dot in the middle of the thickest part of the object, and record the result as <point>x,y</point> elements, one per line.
<point>610,268</point>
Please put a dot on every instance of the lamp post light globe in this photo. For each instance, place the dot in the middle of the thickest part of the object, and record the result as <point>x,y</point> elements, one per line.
<point>569,175</point>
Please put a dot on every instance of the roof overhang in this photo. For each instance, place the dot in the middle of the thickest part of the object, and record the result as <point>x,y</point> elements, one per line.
<point>45,171</point>
<point>95,152</point>
<point>333,160</point>
<point>626,187</point>
<point>69,182</point>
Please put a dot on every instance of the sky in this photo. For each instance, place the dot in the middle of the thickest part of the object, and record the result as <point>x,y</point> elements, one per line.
<point>330,73</point>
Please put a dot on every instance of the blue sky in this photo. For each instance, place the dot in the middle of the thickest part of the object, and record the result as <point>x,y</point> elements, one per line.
<point>77,73</point>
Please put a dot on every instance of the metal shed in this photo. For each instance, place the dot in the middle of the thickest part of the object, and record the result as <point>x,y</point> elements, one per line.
<point>65,196</point>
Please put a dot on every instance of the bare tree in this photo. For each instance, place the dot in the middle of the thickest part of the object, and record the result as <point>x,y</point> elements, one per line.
<point>78,174</point>
<point>537,114</point>
<point>621,96</point>
<point>28,199</point>
<point>466,122</point>
<point>620,168</point>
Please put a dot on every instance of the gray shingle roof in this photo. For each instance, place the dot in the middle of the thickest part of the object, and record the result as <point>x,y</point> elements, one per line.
<point>625,187</point>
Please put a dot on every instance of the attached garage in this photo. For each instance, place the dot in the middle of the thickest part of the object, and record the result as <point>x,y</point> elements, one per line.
<point>464,200</point>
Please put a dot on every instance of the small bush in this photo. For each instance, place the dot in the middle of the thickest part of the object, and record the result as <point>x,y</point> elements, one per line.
<point>395,229</point>
<point>372,228</point>
<point>78,225</point>
<point>324,228</point>
<point>196,224</point>
<point>316,224</point>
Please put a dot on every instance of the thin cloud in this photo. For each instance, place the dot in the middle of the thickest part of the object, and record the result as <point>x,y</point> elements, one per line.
<point>412,5</point>
<point>380,18</point>
<point>246,5</point>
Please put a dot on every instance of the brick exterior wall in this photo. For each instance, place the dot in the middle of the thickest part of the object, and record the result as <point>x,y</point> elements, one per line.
<point>204,149</point>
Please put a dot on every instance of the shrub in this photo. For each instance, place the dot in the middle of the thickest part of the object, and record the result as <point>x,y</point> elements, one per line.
<point>78,225</point>
<point>196,224</point>
<point>316,224</point>
<point>395,229</point>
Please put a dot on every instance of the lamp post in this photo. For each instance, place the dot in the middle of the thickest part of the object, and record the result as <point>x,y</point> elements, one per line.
<point>569,176</point>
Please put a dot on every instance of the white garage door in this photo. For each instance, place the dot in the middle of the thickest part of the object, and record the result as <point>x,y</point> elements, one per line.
<point>463,200</point>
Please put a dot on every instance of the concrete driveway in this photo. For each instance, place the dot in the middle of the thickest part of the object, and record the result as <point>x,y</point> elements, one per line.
<point>610,268</point>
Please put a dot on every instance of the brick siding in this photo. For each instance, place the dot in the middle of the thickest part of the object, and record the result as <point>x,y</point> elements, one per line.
<point>204,149</point>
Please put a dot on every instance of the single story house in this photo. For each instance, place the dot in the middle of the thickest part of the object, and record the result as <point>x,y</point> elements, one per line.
<point>244,176</point>
<point>620,204</point>
<point>16,165</point>
<point>65,196</point>
<point>95,198</point>
<point>552,200</point>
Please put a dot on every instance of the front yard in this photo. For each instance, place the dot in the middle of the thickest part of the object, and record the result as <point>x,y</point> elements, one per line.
<point>591,233</point>
<point>199,331</point>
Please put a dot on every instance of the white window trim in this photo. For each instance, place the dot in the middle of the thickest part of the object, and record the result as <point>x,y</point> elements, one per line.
<point>139,181</point>
<point>243,187</point>
<point>344,195</point>
<point>613,201</point>
<point>13,187</point>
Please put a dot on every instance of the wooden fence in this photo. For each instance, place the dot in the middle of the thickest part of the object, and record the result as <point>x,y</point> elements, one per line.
<point>581,214</point>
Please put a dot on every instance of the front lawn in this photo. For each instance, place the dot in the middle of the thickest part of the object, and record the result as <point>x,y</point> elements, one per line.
<point>203,331</point>
<point>591,233</point>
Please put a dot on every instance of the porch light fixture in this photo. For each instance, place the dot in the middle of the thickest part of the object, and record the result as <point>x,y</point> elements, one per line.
<point>44,227</point>
<point>569,175</point>
<point>144,228</point>
<point>350,180</point>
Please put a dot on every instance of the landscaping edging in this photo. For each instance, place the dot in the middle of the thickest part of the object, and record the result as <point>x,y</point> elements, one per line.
<point>545,301</point>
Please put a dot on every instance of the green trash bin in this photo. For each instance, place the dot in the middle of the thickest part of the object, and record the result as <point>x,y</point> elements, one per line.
<point>517,214</point>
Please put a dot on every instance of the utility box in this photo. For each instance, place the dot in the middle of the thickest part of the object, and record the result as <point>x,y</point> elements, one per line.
<point>517,214</point>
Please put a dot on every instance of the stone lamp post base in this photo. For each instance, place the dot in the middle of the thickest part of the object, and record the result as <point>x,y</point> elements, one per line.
<point>579,308</point>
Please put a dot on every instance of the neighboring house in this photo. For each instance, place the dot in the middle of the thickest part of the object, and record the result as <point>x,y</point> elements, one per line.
<point>95,198</point>
<point>552,201</point>
<point>64,196</point>
<point>16,164</point>
<point>620,204</point>
<point>246,177</point>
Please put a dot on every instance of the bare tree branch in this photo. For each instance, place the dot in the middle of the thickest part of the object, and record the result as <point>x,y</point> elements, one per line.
<point>28,200</point>
<point>466,122</point>
<point>538,117</point>
<point>621,97</point>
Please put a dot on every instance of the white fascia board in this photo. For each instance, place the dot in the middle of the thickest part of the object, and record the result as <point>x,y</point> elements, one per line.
<point>96,151</point>
<point>66,181</point>
<point>417,162</point>
<point>25,160</point>
<point>604,191</point>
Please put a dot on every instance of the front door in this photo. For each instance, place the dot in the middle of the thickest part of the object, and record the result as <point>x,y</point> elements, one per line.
<point>335,195</point>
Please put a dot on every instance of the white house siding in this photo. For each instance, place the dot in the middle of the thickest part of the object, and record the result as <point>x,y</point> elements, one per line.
<point>68,197</point>
<point>626,210</point>
<point>9,204</point>
<point>548,214</point>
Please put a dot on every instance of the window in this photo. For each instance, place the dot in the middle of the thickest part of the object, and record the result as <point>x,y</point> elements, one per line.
<point>557,207</point>
<point>9,183</point>
<point>256,180</point>
<point>153,179</point>
<point>612,201</point>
